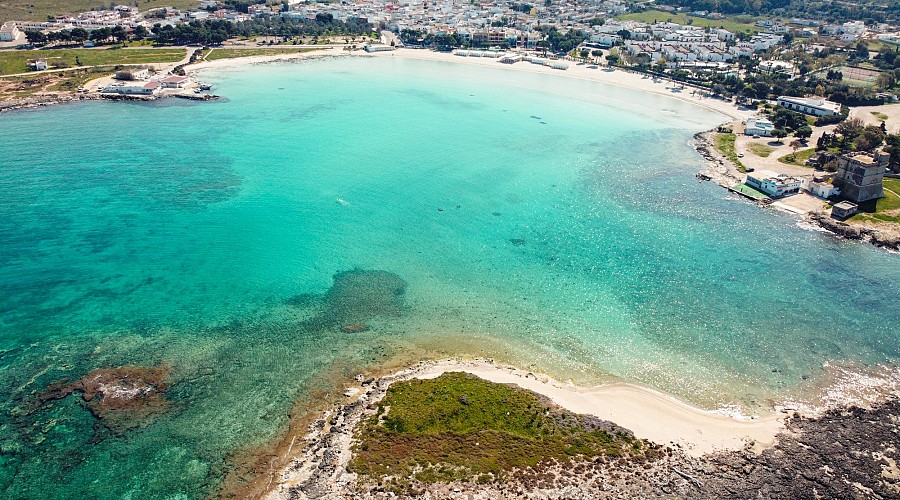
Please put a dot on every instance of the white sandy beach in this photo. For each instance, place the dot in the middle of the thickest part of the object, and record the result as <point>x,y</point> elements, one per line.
<point>320,465</point>
<point>617,77</point>
<point>648,413</point>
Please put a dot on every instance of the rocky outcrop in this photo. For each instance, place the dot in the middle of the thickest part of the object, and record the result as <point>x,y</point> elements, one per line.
<point>855,232</point>
<point>120,398</point>
<point>37,101</point>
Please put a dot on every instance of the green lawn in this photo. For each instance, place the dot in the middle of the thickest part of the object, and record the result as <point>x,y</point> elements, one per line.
<point>38,10</point>
<point>460,427</point>
<point>16,61</point>
<point>761,150</point>
<point>798,159</point>
<point>887,209</point>
<point>731,23</point>
<point>725,145</point>
<point>232,53</point>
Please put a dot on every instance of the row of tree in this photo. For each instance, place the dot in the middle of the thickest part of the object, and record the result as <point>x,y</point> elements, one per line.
<point>80,35</point>
<point>212,32</point>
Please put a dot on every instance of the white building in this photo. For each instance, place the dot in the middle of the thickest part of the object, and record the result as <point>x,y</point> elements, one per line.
<point>757,125</point>
<point>9,32</point>
<point>816,106</point>
<point>175,82</point>
<point>775,185</point>
<point>378,48</point>
<point>823,190</point>
<point>136,88</point>
<point>37,64</point>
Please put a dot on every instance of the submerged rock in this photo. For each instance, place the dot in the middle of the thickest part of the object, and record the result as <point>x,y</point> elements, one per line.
<point>354,328</point>
<point>358,295</point>
<point>121,398</point>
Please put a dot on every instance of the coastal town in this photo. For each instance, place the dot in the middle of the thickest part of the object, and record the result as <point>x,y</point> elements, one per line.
<point>392,382</point>
<point>815,132</point>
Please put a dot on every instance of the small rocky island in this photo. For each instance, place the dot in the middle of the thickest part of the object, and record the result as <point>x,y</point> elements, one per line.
<point>459,436</point>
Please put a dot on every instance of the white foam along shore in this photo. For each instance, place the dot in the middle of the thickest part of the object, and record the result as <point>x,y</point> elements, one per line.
<point>616,77</point>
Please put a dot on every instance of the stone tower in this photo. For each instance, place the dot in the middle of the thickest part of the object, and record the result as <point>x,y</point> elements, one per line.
<point>859,175</point>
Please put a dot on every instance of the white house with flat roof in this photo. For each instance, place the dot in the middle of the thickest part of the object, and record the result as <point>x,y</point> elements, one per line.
<point>816,106</point>
<point>757,125</point>
<point>9,32</point>
<point>773,184</point>
<point>819,188</point>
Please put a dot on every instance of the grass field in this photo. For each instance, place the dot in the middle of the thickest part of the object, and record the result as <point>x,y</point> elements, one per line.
<point>460,427</point>
<point>725,145</point>
<point>760,150</point>
<point>38,10</point>
<point>215,54</point>
<point>798,159</point>
<point>731,23</point>
<point>887,209</point>
<point>24,86</point>
<point>16,61</point>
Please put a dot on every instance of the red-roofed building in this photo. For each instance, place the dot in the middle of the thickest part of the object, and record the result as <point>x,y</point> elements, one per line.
<point>175,82</point>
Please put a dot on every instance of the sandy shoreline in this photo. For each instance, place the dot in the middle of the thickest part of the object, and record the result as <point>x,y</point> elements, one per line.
<point>648,413</point>
<point>617,77</point>
<point>316,462</point>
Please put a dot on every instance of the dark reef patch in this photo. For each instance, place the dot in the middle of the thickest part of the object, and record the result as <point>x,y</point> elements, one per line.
<point>356,297</point>
<point>120,398</point>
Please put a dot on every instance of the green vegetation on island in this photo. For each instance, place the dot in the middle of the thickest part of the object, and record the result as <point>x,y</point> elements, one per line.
<point>460,427</point>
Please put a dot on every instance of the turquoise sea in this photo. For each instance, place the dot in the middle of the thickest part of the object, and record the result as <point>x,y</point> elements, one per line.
<point>539,220</point>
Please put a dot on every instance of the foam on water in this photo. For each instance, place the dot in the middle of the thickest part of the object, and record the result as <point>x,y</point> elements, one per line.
<point>338,214</point>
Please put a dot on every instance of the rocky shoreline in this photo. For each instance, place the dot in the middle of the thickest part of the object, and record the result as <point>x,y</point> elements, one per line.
<point>722,171</point>
<point>41,100</point>
<point>843,452</point>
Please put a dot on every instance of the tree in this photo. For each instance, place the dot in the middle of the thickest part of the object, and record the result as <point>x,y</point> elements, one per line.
<point>893,148</point>
<point>850,128</point>
<point>779,133</point>
<point>804,132</point>
<point>119,34</point>
<point>584,53</point>
<point>661,65</point>
<point>613,59</point>
<point>870,138</point>
<point>795,145</point>
<point>140,32</point>
<point>642,60</point>
<point>884,80</point>
<point>35,37</point>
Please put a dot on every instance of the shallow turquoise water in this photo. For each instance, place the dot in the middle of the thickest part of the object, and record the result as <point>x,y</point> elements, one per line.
<point>532,218</point>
